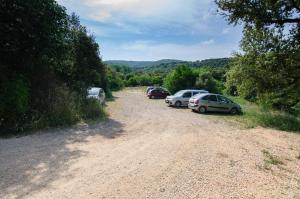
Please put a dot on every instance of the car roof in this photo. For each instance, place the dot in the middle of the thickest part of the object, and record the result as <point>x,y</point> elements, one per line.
<point>193,90</point>
<point>94,89</point>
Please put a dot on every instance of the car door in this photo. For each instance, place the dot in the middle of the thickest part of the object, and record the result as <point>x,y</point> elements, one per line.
<point>160,93</point>
<point>224,104</point>
<point>212,103</point>
<point>186,97</point>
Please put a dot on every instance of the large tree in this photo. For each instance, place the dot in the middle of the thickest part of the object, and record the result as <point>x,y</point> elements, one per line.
<point>268,69</point>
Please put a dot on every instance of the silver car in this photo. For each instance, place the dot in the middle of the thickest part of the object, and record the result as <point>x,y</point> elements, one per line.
<point>181,98</point>
<point>213,102</point>
<point>96,93</point>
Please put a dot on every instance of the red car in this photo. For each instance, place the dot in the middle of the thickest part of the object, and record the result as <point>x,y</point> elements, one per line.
<point>158,93</point>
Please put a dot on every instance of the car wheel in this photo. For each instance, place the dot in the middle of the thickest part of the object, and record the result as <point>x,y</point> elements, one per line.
<point>233,111</point>
<point>152,97</point>
<point>202,109</point>
<point>178,104</point>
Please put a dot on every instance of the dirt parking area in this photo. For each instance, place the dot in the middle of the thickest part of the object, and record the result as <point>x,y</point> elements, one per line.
<point>149,150</point>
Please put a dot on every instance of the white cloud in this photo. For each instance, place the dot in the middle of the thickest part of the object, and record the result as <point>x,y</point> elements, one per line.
<point>150,50</point>
<point>225,30</point>
<point>191,14</point>
<point>208,42</point>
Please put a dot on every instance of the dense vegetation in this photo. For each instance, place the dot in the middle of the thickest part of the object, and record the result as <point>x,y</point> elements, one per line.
<point>268,70</point>
<point>158,71</point>
<point>47,62</point>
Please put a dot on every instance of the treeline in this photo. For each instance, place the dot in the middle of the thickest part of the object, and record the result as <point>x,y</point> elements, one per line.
<point>182,76</point>
<point>47,62</point>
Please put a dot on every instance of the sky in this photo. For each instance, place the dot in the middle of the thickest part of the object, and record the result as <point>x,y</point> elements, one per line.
<point>157,29</point>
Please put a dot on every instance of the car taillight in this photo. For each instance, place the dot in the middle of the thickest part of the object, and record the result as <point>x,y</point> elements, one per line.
<point>196,101</point>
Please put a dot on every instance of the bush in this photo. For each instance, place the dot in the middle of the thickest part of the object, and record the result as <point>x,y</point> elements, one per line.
<point>206,81</point>
<point>181,78</point>
<point>14,99</point>
<point>92,109</point>
<point>64,109</point>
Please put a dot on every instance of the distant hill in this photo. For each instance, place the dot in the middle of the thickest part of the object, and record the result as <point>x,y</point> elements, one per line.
<point>168,63</point>
<point>141,64</point>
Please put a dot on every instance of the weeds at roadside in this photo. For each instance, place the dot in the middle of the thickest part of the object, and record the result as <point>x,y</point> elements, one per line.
<point>254,115</point>
<point>270,160</point>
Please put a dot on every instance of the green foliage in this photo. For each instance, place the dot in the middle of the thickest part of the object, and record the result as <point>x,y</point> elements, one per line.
<point>92,109</point>
<point>281,121</point>
<point>47,61</point>
<point>268,71</point>
<point>115,79</point>
<point>257,115</point>
<point>260,13</point>
<point>211,79</point>
<point>181,78</point>
<point>63,109</point>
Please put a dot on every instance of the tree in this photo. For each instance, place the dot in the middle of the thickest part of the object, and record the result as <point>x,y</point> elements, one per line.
<point>46,57</point>
<point>206,81</point>
<point>268,70</point>
<point>261,13</point>
<point>182,77</point>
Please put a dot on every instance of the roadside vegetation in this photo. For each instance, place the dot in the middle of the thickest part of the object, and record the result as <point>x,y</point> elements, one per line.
<point>47,62</point>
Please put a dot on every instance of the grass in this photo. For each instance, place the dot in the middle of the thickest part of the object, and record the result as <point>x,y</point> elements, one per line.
<point>270,160</point>
<point>254,115</point>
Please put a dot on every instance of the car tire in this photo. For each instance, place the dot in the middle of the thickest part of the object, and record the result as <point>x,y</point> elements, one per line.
<point>178,104</point>
<point>202,109</point>
<point>233,111</point>
<point>152,97</point>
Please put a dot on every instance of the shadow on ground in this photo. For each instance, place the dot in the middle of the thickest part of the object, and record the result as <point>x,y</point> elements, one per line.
<point>33,162</point>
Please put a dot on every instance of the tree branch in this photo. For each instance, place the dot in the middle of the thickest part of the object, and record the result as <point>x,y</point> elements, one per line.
<point>283,21</point>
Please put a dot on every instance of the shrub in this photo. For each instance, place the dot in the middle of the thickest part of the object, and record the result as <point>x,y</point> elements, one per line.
<point>181,78</point>
<point>206,81</point>
<point>92,109</point>
<point>64,109</point>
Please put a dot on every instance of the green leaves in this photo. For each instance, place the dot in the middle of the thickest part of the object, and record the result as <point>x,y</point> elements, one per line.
<point>181,78</point>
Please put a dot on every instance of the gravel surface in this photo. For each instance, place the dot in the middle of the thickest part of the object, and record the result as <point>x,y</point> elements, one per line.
<point>149,150</point>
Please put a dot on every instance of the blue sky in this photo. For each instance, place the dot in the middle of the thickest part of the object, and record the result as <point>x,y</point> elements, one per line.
<point>157,29</point>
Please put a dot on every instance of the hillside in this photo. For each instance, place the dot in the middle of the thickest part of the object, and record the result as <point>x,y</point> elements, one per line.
<point>141,64</point>
<point>168,63</point>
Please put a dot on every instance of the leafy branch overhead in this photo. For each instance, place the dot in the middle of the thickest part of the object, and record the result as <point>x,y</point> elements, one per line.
<point>261,13</point>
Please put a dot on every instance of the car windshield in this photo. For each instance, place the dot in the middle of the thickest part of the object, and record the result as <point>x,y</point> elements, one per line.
<point>179,93</point>
<point>93,91</point>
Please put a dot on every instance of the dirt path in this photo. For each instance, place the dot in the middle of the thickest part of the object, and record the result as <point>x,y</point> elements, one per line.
<point>149,150</point>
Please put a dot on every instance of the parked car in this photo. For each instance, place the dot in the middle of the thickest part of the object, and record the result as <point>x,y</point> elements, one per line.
<point>96,93</point>
<point>149,88</point>
<point>213,102</point>
<point>160,93</point>
<point>181,98</point>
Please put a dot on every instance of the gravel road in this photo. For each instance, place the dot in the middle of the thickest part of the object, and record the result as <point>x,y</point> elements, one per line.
<point>148,150</point>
